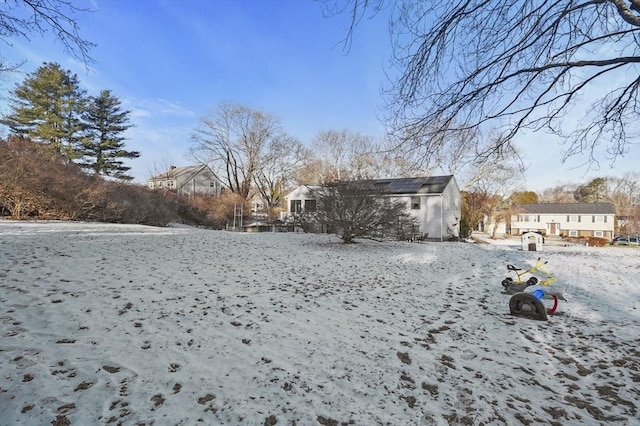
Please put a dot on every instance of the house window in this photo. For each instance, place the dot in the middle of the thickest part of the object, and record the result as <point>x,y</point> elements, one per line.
<point>296,206</point>
<point>573,218</point>
<point>415,203</point>
<point>310,206</point>
<point>598,234</point>
<point>212,184</point>
<point>599,219</point>
<point>573,233</point>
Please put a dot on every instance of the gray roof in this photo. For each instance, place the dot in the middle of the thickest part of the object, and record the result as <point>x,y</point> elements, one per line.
<point>174,172</point>
<point>415,185</point>
<point>568,208</point>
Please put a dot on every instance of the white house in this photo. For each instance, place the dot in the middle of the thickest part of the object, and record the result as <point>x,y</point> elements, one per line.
<point>565,219</point>
<point>434,201</point>
<point>187,180</point>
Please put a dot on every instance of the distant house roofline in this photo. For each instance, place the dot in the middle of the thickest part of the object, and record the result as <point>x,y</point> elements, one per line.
<point>174,171</point>
<point>403,186</point>
<point>568,208</point>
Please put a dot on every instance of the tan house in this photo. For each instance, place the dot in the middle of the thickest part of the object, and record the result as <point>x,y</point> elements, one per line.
<point>434,201</point>
<point>187,180</point>
<point>565,219</point>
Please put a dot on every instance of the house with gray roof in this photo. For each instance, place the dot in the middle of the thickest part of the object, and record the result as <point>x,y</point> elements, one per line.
<point>565,219</point>
<point>187,180</point>
<point>434,201</point>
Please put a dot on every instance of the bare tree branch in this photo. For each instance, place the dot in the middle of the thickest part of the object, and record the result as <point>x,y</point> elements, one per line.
<point>23,18</point>
<point>515,65</point>
<point>246,149</point>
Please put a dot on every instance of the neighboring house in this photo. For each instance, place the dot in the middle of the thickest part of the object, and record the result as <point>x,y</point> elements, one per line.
<point>565,219</point>
<point>187,180</point>
<point>434,201</point>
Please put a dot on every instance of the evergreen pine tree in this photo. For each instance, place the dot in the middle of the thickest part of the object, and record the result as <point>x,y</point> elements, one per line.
<point>593,192</point>
<point>103,147</point>
<point>47,107</point>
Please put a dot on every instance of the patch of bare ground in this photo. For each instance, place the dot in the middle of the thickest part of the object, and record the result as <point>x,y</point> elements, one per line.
<point>556,412</point>
<point>158,400</point>
<point>404,357</point>
<point>61,420</point>
<point>432,389</point>
<point>326,421</point>
<point>453,419</point>
<point>124,411</point>
<point>83,386</point>
<point>410,400</point>
<point>594,411</point>
<point>608,393</point>
<point>204,399</point>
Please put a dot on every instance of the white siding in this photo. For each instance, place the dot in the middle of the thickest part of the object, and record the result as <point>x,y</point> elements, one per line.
<point>542,223</point>
<point>438,215</point>
<point>452,208</point>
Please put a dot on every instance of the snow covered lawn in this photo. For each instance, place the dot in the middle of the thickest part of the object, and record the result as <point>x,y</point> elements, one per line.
<point>134,325</point>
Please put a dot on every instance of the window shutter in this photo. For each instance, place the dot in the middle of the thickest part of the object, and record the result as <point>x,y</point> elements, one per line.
<point>568,218</point>
<point>593,219</point>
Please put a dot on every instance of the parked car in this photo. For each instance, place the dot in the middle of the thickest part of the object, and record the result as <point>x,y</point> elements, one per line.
<point>620,241</point>
<point>626,241</point>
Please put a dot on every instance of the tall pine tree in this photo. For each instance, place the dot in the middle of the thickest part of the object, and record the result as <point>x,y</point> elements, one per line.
<point>47,108</point>
<point>593,192</point>
<point>102,149</point>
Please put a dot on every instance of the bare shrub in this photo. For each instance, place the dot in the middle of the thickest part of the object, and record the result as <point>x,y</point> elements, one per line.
<point>124,203</point>
<point>596,242</point>
<point>37,182</point>
<point>223,209</point>
<point>357,209</point>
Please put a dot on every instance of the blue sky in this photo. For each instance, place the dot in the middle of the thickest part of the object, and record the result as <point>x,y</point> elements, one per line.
<point>171,61</point>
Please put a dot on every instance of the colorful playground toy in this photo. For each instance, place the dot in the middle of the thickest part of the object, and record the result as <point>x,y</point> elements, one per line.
<point>527,295</point>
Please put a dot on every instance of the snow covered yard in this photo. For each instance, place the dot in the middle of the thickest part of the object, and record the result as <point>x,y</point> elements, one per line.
<point>134,325</point>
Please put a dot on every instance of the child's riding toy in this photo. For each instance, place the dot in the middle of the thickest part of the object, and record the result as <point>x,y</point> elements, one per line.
<point>528,294</point>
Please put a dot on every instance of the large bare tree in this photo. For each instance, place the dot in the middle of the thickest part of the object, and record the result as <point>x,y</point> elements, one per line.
<point>624,193</point>
<point>247,150</point>
<point>26,18</point>
<point>513,65</point>
<point>468,155</point>
<point>341,155</point>
<point>279,163</point>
